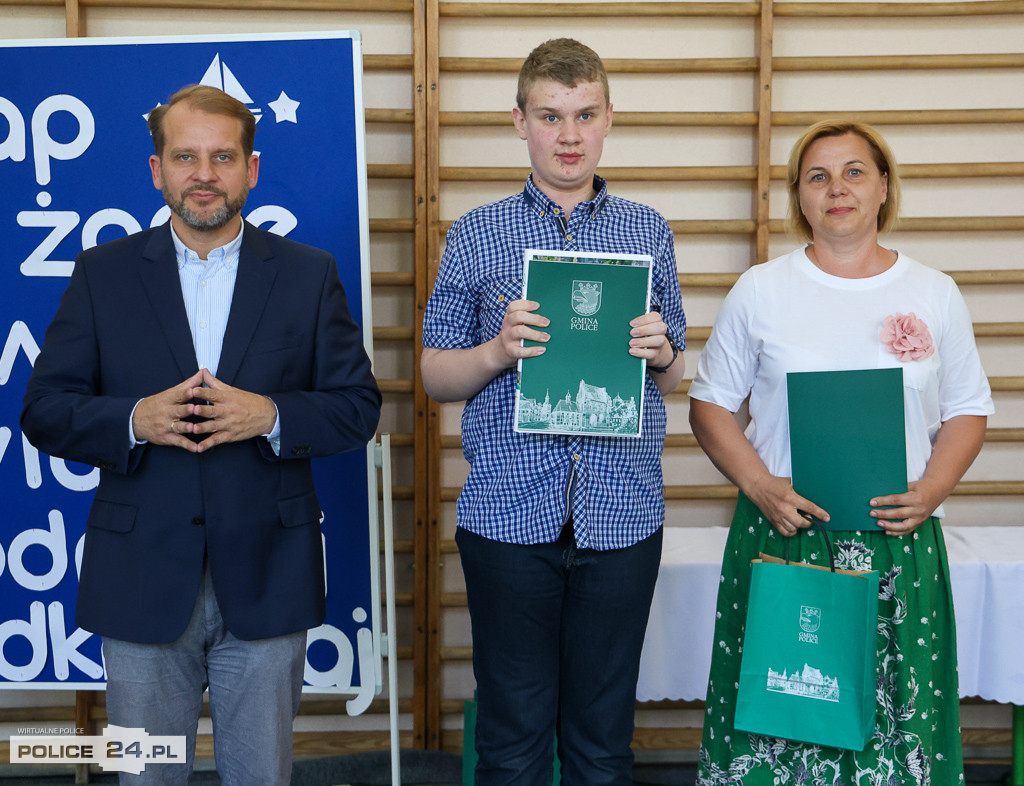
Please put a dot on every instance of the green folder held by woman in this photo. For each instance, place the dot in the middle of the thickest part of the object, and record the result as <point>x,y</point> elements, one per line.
<point>847,441</point>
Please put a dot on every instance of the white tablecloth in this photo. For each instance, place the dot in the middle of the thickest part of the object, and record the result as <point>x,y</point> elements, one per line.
<point>986,569</point>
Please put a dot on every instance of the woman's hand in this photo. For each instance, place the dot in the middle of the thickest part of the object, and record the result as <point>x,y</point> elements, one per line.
<point>907,512</point>
<point>956,445</point>
<point>785,509</point>
<point>722,439</point>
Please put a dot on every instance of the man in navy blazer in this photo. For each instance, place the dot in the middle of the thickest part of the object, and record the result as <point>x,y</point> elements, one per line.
<point>201,365</point>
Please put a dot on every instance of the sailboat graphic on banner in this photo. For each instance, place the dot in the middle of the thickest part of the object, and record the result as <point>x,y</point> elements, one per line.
<point>220,76</point>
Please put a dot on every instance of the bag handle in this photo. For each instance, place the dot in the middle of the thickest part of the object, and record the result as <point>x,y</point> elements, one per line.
<point>828,545</point>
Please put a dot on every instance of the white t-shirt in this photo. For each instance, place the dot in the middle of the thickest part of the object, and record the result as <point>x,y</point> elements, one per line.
<point>789,315</point>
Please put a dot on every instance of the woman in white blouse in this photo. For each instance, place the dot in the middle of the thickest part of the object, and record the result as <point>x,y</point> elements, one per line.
<point>844,302</point>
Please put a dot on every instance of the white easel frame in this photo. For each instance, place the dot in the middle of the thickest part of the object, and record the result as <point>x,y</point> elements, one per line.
<point>385,641</point>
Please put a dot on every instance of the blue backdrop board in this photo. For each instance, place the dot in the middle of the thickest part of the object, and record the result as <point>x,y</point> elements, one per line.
<point>74,172</point>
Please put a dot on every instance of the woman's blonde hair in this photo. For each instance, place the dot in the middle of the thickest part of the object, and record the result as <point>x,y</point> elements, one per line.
<point>880,152</point>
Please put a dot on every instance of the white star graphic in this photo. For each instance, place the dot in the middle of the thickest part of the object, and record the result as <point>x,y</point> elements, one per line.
<point>284,108</point>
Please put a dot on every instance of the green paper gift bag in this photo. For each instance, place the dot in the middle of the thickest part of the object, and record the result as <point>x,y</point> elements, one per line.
<point>809,665</point>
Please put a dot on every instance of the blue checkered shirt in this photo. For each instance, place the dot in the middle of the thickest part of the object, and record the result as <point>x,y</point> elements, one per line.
<point>523,487</point>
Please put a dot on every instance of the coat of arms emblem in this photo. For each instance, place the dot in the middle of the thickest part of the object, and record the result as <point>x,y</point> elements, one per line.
<point>810,619</point>
<point>586,297</point>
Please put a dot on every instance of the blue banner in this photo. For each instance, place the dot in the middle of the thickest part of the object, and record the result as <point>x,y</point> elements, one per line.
<point>74,172</point>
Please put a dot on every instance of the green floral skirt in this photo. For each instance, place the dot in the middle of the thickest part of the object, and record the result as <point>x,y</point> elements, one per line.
<point>917,731</point>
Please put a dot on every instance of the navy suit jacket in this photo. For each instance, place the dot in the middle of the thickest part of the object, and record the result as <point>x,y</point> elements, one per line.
<point>120,334</point>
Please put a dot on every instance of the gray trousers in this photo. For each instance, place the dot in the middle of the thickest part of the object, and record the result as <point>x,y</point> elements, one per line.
<point>255,688</point>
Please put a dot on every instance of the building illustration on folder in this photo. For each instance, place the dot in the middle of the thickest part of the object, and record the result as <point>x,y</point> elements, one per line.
<point>593,411</point>
<point>808,682</point>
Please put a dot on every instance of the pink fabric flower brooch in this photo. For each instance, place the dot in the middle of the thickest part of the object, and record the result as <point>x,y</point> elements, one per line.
<point>907,337</point>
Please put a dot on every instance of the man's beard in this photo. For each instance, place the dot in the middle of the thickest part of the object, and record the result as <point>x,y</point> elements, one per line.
<point>216,220</point>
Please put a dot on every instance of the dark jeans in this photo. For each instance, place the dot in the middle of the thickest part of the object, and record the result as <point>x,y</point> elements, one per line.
<point>557,636</point>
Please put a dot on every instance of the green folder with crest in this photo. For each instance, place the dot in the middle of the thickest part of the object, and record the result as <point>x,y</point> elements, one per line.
<point>847,441</point>
<point>586,382</point>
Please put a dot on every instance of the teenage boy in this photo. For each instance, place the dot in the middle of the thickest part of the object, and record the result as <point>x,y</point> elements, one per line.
<point>559,535</point>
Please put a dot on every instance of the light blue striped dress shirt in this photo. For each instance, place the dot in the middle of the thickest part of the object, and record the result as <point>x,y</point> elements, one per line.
<point>207,287</point>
